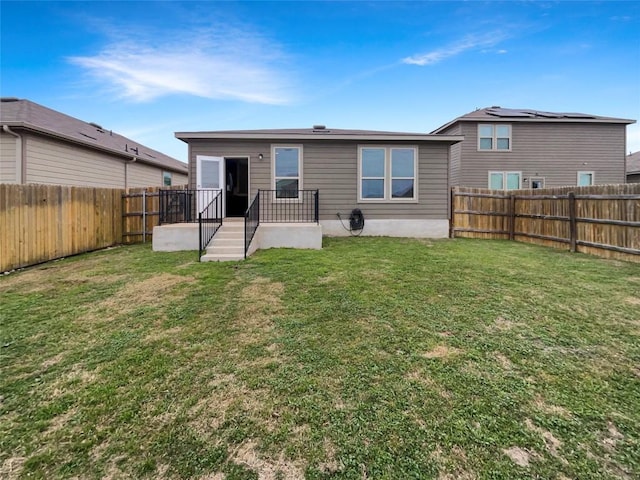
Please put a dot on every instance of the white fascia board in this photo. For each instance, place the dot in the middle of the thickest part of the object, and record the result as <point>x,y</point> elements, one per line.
<point>186,136</point>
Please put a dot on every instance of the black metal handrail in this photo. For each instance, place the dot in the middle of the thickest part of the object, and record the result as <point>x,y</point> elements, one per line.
<point>209,221</point>
<point>183,205</point>
<point>251,222</point>
<point>291,206</point>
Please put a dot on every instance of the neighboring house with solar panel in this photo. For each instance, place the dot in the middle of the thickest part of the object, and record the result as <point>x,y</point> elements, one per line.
<point>40,145</point>
<point>633,167</point>
<point>509,149</point>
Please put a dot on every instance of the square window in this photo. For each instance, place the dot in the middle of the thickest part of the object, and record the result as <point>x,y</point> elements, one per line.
<point>585,179</point>
<point>387,173</point>
<point>494,137</point>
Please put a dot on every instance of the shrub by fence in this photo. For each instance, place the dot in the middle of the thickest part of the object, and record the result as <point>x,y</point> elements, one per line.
<point>601,220</point>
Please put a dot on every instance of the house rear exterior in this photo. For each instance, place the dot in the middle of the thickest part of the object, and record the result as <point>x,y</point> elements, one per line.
<point>40,145</point>
<point>511,149</point>
<point>399,181</point>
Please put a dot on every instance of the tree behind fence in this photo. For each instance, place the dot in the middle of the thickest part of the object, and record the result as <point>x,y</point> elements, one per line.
<point>601,220</point>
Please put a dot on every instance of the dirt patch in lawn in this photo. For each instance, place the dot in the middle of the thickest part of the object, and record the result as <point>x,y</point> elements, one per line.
<point>504,362</point>
<point>259,302</point>
<point>11,468</point>
<point>611,437</point>
<point>520,456</point>
<point>502,324</point>
<point>146,292</point>
<point>552,444</point>
<point>442,351</point>
<point>228,397</point>
<point>541,405</point>
<point>267,468</point>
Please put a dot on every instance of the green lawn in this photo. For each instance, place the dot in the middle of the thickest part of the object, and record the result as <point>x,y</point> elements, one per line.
<point>373,358</point>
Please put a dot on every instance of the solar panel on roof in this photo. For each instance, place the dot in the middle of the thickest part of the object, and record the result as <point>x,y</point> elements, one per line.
<point>508,112</point>
<point>577,115</point>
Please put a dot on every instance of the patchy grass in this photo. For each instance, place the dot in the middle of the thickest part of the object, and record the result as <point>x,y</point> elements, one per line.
<point>373,358</point>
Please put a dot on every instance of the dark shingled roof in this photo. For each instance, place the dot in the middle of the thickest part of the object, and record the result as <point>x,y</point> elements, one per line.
<point>633,163</point>
<point>493,114</point>
<point>18,113</point>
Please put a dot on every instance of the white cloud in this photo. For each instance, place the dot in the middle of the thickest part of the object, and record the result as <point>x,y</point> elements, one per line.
<point>221,65</point>
<point>471,42</point>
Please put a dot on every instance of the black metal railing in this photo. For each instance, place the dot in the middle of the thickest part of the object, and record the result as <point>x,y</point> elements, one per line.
<point>251,222</point>
<point>297,206</point>
<point>274,206</point>
<point>209,221</point>
<point>183,206</point>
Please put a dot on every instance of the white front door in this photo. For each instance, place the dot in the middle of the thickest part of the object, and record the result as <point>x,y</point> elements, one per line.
<point>209,180</point>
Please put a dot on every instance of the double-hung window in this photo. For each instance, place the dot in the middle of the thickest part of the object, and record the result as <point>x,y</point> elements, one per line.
<point>166,179</point>
<point>505,180</point>
<point>387,174</point>
<point>494,137</point>
<point>287,170</point>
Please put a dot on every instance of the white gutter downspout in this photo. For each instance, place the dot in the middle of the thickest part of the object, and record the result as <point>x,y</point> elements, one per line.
<point>126,171</point>
<point>19,159</point>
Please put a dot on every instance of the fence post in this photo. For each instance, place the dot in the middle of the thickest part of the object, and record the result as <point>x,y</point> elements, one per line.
<point>317,207</point>
<point>452,199</point>
<point>512,216</point>
<point>144,216</point>
<point>573,226</point>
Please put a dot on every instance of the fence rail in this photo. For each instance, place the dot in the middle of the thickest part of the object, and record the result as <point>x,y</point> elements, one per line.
<point>603,220</point>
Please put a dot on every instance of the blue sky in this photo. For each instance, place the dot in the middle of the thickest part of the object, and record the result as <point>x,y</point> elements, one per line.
<point>149,69</point>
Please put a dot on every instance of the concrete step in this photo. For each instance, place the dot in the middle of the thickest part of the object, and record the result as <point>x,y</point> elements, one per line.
<point>216,249</point>
<point>226,241</point>
<point>222,233</point>
<point>210,257</point>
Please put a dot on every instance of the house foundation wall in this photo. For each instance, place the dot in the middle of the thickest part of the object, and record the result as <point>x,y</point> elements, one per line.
<point>176,237</point>
<point>287,235</point>
<point>390,228</point>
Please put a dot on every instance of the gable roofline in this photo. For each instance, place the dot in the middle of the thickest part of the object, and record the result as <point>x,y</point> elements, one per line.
<point>511,115</point>
<point>322,133</point>
<point>26,115</point>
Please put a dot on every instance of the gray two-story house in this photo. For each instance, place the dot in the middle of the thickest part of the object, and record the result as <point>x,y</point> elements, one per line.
<point>508,149</point>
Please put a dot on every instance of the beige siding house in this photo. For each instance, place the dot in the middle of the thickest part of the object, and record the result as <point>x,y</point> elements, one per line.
<point>633,167</point>
<point>509,149</point>
<point>40,145</point>
<point>399,181</point>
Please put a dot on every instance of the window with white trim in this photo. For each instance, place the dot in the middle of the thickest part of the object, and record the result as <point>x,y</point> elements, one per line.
<point>387,174</point>
<point>505,180</point>
<point>166,179</point>
<point>287,170</point>
<point>494,137</point>
<point>585,179</point>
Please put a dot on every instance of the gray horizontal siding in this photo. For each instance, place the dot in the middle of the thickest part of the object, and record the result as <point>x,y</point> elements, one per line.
<point>331,167</point>
<point>554,151</point>
<point>7,158</point>
<point>141,175</point>
<point>52,161</point>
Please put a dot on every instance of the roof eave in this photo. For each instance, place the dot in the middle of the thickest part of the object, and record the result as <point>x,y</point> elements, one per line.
<point>124,155</point>
<point>186,136</point>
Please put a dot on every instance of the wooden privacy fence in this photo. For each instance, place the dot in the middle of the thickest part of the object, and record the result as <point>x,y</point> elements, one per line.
<point>43,222</point>
<point>601,220</point>
<point>39,223</point>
